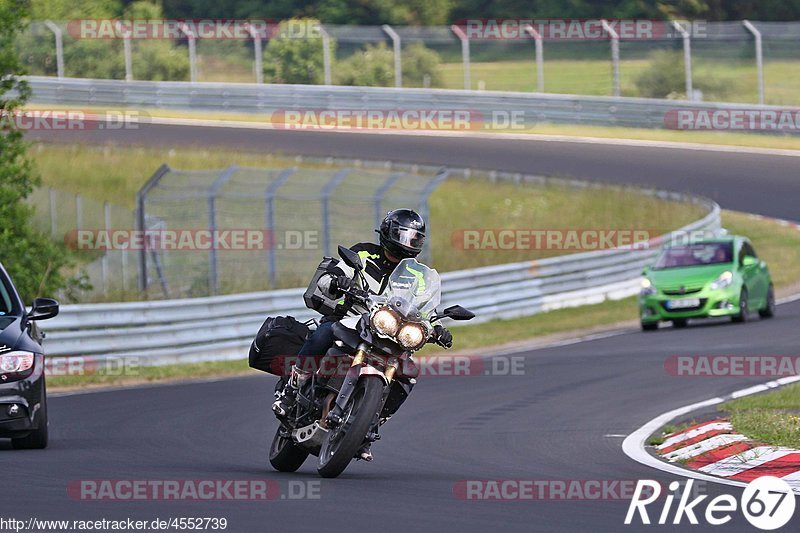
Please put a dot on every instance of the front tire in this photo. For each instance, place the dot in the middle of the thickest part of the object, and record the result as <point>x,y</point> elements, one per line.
<point>38,438</point>
<point>768,311</point>
<point>284,455</point>
<point>649,326</point>
<point>341,444</point>
<point>741,316</point>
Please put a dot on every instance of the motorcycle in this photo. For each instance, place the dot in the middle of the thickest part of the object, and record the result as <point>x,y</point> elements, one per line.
<point>367,373</point>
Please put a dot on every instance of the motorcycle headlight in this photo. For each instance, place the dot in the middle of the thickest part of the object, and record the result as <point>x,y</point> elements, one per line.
<point>647,287</point>
<point>386,321</point>
<point>15,362</point>
<point>412,336</point>
<point>724,279</point>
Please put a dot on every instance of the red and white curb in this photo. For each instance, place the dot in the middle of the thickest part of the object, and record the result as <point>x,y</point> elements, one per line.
<point>715,448</point>
<point>722,456</point>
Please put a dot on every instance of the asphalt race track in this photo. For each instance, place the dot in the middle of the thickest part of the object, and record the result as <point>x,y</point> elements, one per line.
<point>563,419</point>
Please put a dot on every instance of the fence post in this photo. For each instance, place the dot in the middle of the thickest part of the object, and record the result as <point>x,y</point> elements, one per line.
<point>222,179</point>
<point>537,39</point>
<point>687,59</point>
<point>614,56</point>
<point>759,59</point>
<point>189,33</point>
<point>141,198</point>
<point>464,53</point>
<point>381,192</point>
<point>259,54</point>
<point>53,226</point>
<point>78,211</point>
<point>425,208</point>
<point>325,198</point>
<point>398,63</point>
<point>126,49</point>
<point>104,261</point>
<point>326,54</point>
<point>269,222</point>
<point>59,46</point>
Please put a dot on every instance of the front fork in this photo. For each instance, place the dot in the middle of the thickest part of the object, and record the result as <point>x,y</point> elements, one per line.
<point>334,417</point>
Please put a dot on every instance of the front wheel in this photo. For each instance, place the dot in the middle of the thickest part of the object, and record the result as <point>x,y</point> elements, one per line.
<point>741,316</point>
<point>342,443</point>
<point>284,455</point>
<point>649,326</point>
<point>768,311</point>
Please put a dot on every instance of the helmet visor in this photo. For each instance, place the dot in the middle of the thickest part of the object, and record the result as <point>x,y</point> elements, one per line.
<point>405,236</point>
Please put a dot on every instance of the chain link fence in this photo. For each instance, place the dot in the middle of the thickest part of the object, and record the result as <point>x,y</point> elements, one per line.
<point>244,229</point>
<point>735,61</point>
<point>82,224</point>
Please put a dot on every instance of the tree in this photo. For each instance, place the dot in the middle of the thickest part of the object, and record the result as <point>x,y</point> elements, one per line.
<point>34,262</point>
<point>295,54</point>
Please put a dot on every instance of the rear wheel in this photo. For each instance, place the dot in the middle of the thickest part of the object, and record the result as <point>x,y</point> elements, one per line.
<point>342,443</point>
<point>768,311</point>
<point>284,455</point>
<point>679,323</point>
<point>36,439</point>
<point>741,316</point>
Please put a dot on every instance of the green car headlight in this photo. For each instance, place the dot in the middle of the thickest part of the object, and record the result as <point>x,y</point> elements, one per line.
<point>647,287</point>
<point>724,279</point>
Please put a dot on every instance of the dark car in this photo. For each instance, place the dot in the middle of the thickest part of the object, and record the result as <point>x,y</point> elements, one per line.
<point>23,396</point>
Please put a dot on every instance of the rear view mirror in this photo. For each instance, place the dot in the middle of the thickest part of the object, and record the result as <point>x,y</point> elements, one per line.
<point>43,308</point>
<point>457,312</point>
<point>749,260</point>
<point>350,258</point>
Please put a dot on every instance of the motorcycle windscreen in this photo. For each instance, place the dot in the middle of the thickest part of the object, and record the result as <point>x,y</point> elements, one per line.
<point>416,283</point>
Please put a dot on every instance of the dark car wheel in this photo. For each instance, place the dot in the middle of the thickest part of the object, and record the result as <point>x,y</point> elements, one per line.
<point>36,439</point>
<point>679,323</point>
<point>741,316</point>
<point>768,311</point>
<point>649,326</point>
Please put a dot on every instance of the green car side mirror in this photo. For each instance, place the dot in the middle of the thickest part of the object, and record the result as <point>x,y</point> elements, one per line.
<point>749,261</point>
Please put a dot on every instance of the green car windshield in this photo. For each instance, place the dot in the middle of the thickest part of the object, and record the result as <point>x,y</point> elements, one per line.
<point>416,283</point>
<point>698,254</point>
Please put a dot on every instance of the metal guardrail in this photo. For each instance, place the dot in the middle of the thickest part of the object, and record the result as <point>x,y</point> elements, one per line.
<point>250,98</point>
<point>221,328</point>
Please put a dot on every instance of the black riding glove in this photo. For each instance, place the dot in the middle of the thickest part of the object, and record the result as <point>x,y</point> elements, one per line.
<point>341,284</point>
<point>442,336</point>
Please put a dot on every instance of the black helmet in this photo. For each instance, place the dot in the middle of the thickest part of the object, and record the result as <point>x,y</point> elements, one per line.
<point>402,233</point>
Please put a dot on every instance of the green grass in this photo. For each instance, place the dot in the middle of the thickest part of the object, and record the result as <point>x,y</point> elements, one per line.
<point>115,173</point>
<point>773,418</point>
<point>737,80</point>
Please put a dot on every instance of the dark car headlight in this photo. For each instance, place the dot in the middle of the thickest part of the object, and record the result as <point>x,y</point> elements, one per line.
<point>16,362</point>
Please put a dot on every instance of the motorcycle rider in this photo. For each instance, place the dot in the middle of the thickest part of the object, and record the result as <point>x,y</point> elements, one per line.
<point>402,235</point>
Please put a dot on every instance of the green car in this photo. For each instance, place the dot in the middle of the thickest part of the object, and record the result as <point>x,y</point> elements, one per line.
<point>707,278</point>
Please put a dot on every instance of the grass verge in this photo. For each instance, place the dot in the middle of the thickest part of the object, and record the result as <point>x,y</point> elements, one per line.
<point>773,418</point>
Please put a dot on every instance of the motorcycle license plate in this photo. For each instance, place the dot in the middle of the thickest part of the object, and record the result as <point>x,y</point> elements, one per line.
<point>683,304</point>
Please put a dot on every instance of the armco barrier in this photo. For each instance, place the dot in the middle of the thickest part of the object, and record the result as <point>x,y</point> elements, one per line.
<point>221,327</point>
<point>248,98</point>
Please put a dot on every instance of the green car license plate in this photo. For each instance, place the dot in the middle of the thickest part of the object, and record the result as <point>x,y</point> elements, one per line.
<point>683,304</point>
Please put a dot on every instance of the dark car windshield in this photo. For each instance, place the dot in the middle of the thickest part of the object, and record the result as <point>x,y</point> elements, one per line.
<point>6,304</point>
<point>698,254</point>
